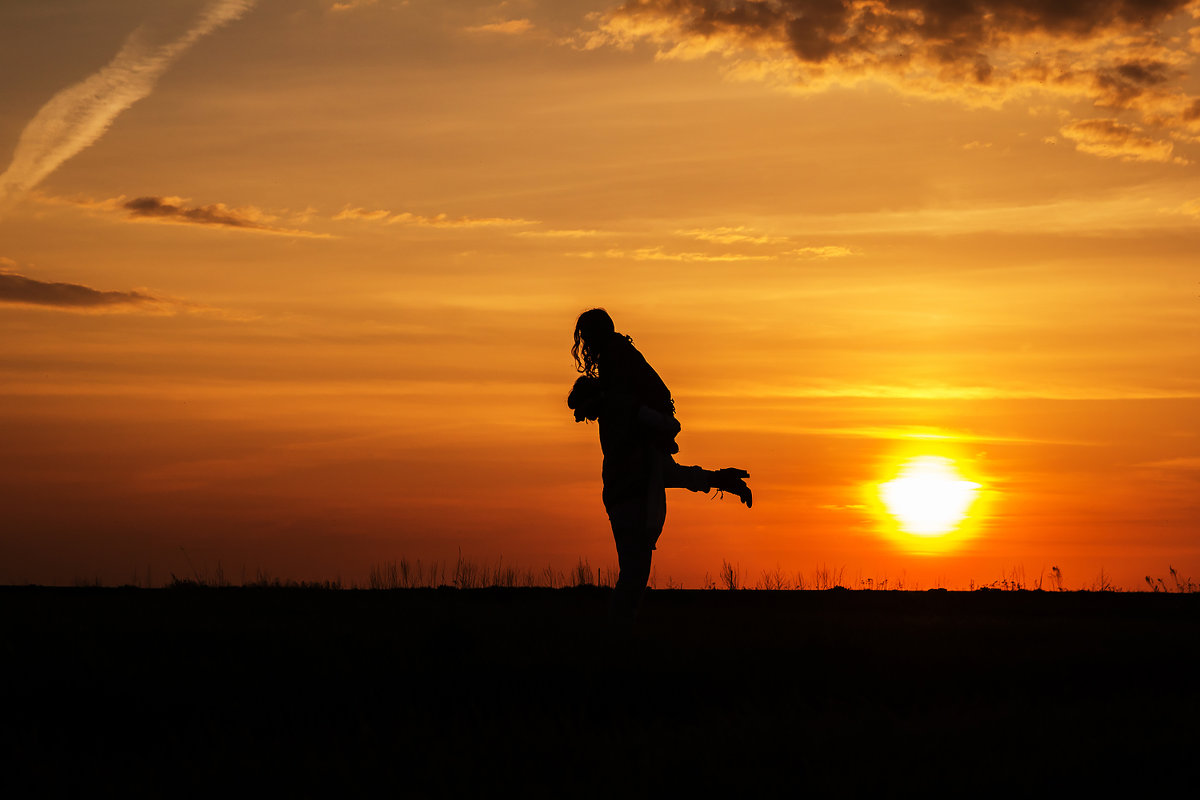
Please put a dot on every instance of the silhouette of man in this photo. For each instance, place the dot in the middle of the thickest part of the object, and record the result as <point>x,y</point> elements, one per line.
<point>637,437</point>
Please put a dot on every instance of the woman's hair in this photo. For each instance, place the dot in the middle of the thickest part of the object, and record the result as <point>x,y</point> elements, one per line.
<point>591,329</point>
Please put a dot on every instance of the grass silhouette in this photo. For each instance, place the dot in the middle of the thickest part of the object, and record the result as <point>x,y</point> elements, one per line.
<point>465,573</point>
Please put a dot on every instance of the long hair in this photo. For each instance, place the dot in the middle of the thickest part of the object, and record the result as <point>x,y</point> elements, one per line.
<point>591,329</point>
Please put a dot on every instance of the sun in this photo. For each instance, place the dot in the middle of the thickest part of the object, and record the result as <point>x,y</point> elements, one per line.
<point>929,497</point>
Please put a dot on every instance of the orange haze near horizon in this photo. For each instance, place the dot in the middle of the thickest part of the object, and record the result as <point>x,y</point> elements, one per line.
<point>290,287</point>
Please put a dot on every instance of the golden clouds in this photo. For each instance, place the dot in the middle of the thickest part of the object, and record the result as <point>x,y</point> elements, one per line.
<point>825,251</point>
<point>350,5</point>
<point>567,233</point>
<point>658,254</point>
<point>1109,138</point>
<point>731,235</point>
<point>508,26</point>
<point>406,218</point>
<point>1117,54</point>
<point>750,245</point>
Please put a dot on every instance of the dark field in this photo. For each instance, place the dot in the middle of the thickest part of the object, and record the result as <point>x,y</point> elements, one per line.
<point>449,692</point>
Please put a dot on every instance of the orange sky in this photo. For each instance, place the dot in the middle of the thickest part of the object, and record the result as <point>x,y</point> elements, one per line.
<point>291,285</point>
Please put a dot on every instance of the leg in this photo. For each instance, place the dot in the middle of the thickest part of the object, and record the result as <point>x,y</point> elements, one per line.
<point>628,520</point>
<point>697,479</point>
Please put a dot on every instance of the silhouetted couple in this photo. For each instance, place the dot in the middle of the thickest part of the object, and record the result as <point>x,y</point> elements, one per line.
<point>637,436</point>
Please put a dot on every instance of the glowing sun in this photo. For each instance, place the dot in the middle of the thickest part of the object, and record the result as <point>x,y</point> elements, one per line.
<point>930,497</point>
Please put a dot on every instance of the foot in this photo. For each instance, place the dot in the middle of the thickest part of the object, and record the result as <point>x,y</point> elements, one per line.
<point>732,480</point>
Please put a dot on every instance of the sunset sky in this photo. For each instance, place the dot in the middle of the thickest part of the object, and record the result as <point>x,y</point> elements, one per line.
<point>290,285</point>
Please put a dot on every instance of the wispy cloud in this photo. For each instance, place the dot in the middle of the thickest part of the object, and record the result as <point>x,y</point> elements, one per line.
<point>1124,55</point>
<point>174,210</point>
<point>19,290</point>
<point>918,433</point>
<point>560,234</point>
<point>177,211</point>
<point>350,5</point>
<point>406,218</point>
<point>731,235</point>
<point>508,26</point>
<point>823,251</point>
<point>79,115</point>
<point>944,391</point>
<point>658,254</point>
<point>1189,464</point>
<point>1109,138</point>
<point>1099,213</point>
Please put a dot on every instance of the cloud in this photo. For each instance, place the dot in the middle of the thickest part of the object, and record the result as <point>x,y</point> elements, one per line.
<point>509,26</point>
<point>574,233</point>
<point>1186,464</point>
<point>740,236</point>
<point>824,251</point>
<point>350,5</point>
<point>945,391</point>
<point>735,235</point>
<point>1109,138</point>
<point>1117,54</point>
<point>657,254</point>
<point>173,210</point>
<point>438,221</point>
<point>19,290</point>
<point>79,115</point>
<point>363,215</point>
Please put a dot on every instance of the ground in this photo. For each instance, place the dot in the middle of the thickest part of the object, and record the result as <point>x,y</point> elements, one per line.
<point>445,692</point>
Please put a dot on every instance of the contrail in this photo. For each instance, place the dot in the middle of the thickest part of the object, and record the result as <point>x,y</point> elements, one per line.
<point>80,114</point>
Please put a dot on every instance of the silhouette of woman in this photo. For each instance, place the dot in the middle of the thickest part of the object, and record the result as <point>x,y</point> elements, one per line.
<point>637,437</point>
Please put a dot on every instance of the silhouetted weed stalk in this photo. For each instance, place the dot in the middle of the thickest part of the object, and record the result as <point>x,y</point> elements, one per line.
<point>731,576</point>
<point>468,574</point>
<point>1182,586</point>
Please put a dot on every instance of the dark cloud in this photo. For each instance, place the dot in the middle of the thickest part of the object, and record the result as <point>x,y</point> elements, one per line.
<point>952,30</point>
<point>1115,53</point>
<point>1122,85</point>
<point>175,209</point>
<point>169,208</point>
<point>27,291</point>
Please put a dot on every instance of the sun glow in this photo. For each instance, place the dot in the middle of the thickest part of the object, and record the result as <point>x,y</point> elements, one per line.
<point>930,497</point>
